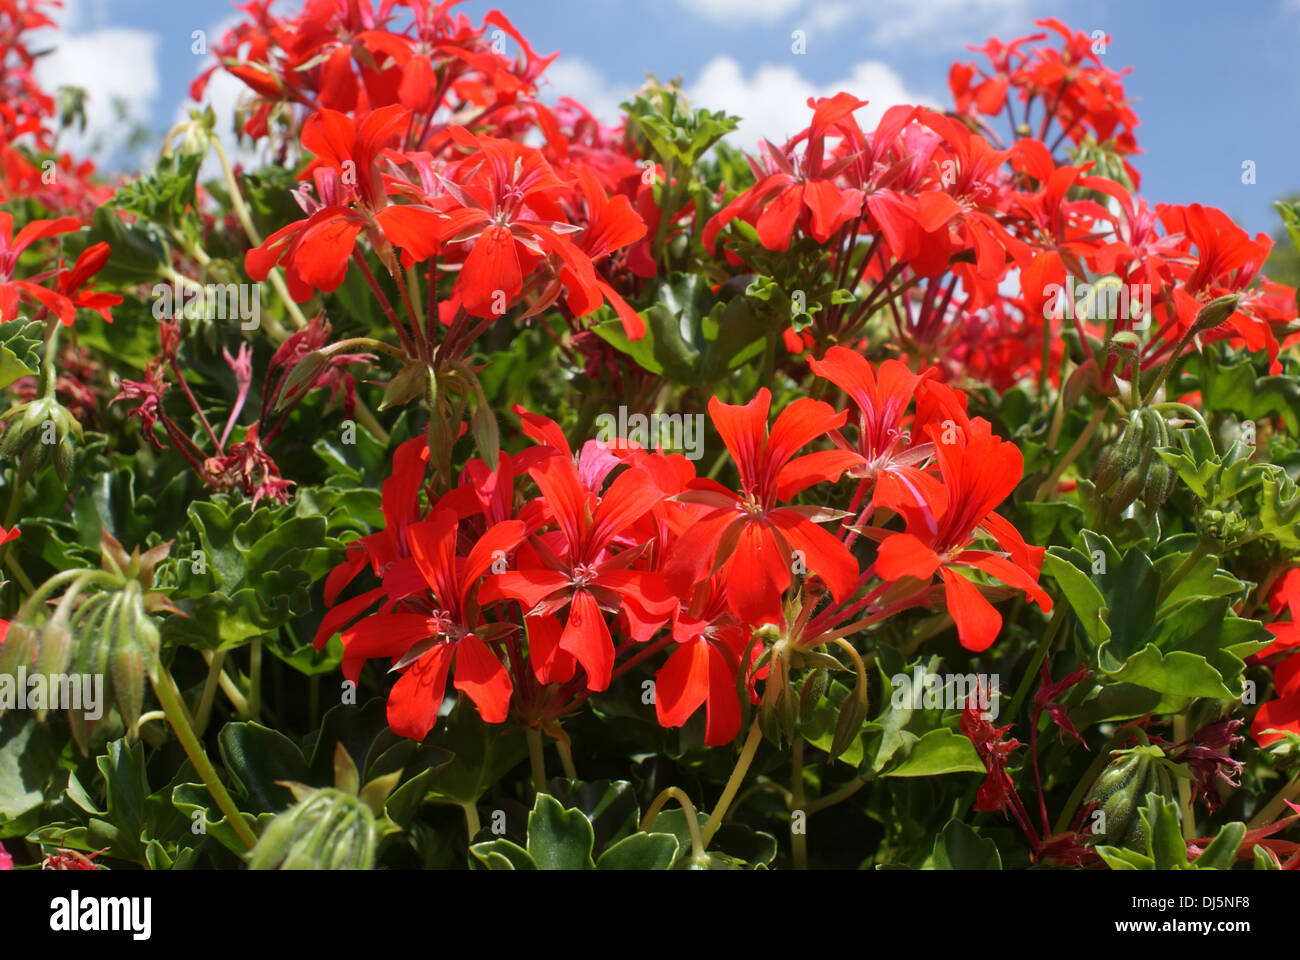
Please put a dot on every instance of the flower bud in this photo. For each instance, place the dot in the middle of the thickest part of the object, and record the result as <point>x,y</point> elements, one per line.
<point>1122,788</point>
<point>1219,529</point>
<point>38,430</point>
<point>1215,313</point>
<point>326,829</point>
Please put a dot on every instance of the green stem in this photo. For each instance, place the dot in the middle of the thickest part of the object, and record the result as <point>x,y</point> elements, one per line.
<point>246,221</point>
<point>209,692</point>
<point>798,839</point>
<point>733,782</point>
<point>1199,553</point>
<point>19,574</point>
<point>1072,454</point>
<point>836,796</point>
<point>169,699</point>
<point>255,678</point>
<point>536,760</point>
<point>1184,785</point>
<point>1270,810</point>
<point>471,820</point>
<point>565,749</point>
<point>769,360</point>
<point>1044,646</point>
<point>698,843</point>
<point>102,577</point>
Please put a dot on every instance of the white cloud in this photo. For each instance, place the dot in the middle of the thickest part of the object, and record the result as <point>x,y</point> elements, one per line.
<point>741,12</point>
<point>772,102</point>
<point>574,77</point>
<point>113,65</point>
<point>825,17</point>
<point>946,21</point>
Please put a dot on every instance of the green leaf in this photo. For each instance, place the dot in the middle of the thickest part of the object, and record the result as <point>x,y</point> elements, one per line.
<point>610,805</point>
<point>1164,835</point>
<point>1264,860</point>
<point>28,760</point>
<point>959,847</point>
<point>257,757</point>
<point>559,839</point>
<point>939,751</point>
<point>139,253</point>
<point>20,342</point>
<point>257,566</point>
<point>1222,851</point>
<point>1238,388</point>
<point>502,854</point>
<point>127,787</point>
<point>1119,858</point>
<point>193,798</point>
<point>481,752</point>
<point>641,851</point>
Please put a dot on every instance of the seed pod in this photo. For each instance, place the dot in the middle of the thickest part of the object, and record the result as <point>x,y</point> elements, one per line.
<point>1123,787</point>
<point>18,650</point>
<point>776,714</point>
<point>1121,457</point>
<point>813,689</point>
<point>35,431</point>
<point>56,647</point>
<point>1160,483</point>
<point>1123,495</point>
<point>326,830</point>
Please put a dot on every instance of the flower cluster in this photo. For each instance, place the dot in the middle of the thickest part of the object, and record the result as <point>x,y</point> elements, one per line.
<point>940,392</point>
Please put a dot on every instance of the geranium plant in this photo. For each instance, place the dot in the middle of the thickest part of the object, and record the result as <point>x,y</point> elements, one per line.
<point>470,484</point>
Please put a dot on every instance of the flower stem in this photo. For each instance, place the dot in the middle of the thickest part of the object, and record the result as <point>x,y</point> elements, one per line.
<point>733,782</point>
<point>1072,454</point>
<point>1275,806</point>
<point>1184,786</point>
<point>246,221</point>
<point>169,699</point>
<point>698,843</point>
<point>535,758</point>
<point>798,838</point>
<point>471,820</point>
<point>209,692</point>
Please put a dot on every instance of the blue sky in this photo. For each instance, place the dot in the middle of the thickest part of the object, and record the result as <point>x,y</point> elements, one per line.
<point>1216,84</point>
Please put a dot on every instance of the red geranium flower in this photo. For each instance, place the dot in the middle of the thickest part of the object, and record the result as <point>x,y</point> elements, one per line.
<point>747,535</point>
<point>439,623</point>
<point>578,569</point>
<point>978,474</point>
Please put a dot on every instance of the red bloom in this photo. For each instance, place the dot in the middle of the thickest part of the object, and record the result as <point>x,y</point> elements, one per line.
<point>746,535</point>
<point>1281,714</point>
<point>74,283</point>
<point>885,443</point>
<point>978,474</point>
<point>578,569</point>
<point>797,189</point>
<point>439,624</point>
<point>508,209</point>
<point>702,670</point>
<point>11,248</point>
<point>315,250</point>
